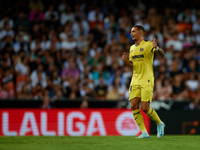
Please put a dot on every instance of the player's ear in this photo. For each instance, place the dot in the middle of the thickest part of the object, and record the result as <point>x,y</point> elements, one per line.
<point>142,33</point>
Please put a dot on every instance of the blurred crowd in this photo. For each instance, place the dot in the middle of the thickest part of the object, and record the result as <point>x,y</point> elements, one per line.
<point>71,49</point>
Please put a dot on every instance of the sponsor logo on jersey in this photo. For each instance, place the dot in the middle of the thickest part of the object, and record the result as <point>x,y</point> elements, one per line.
<point>138,56</point>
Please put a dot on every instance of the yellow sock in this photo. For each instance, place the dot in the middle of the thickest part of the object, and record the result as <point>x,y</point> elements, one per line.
<point>154,116</point>
<point>139,120</point>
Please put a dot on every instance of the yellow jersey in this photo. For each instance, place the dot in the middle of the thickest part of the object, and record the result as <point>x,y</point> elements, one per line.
<point>142,58</point>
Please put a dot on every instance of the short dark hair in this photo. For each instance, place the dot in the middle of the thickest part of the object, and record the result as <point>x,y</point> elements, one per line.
<point>139,27</point>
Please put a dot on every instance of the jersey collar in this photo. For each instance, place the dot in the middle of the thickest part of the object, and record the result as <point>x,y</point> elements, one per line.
<point>139,44</point>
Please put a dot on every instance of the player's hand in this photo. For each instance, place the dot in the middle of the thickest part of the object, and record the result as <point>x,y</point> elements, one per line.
<point>124,57</point>
<point>154,43</point>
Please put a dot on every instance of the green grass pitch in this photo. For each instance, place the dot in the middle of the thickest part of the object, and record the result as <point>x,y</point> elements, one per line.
<point>168,142</point>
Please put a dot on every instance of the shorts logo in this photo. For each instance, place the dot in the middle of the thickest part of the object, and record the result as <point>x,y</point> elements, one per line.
<point>141,49</point>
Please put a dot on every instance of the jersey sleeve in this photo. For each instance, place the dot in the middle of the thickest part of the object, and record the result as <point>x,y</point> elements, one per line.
<point>151,47</point>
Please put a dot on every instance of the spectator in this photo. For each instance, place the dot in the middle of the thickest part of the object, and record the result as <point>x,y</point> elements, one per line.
<point>97,32</point>
<point>36,13</point>
<point>22,24</point>
<point>22,67</point>
<point>113,93</point>
<point>80,27</point>
<point>22,70</point>
<point>35,32</point>
<point>97,72</point>
<point>8,83</point>
<point>84,103</point>
<point>187,14</point>
<point>156,34</point>
<point>5,93</point>
<point>80,42</point>
<point>194,104</point>
<point>95,16</point>
<point>68,15</point>
<point>164,90</point>
<point>7,31</point>
<point>50,13</point>
<point>38,92</point>
<point>174,42</point>
<point>71,71</point>
<point>196,26</point>
<point>24,89</point>
<point>20,44</point>
<point>6,20</point>
<point>24,93</point>
<point>45,43</point>
<point>58,95</point>
<point>38,77</point>
<point>62,6</point>
<point>36,3</point>
<point>192,66</point>
<point>67,29</point>
<point>46,102</point>
<point>74,92</point>
<point>70,44</point>
<point>192,84</point>
<point>80,11</point>
<point>187,38</point>
<point>111,27</point>
<point>101,89</point>
<point>174,68</point>
<point>85,90</point>
<point>180,93</point>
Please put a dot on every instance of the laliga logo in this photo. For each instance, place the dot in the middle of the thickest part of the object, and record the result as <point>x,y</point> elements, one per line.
<point>126,125</point>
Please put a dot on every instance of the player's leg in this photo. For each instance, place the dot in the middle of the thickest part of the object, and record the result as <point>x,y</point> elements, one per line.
<point>145,106</point>
<point>138,117</point>
<point>135,98</point>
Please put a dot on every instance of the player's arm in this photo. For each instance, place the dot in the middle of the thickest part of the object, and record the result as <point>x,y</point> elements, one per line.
<point>126,61</point>
<point>158,50</point>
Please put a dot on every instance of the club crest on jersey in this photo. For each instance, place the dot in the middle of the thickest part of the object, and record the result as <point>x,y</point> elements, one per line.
<point>141,49</point>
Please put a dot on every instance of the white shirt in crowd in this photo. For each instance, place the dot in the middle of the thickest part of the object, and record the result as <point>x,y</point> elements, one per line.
<point>10,22</point>
<point>68,45</point>
<point>5,33</point>
<point>47,15</point>
<point>21,68</point>
<point>192,84</point>
<point>66,17</point>
<point>92,16</point>
<point>178,45</point>
<point>35,81</point>
<point>76,29</point>
<point>44,45</point>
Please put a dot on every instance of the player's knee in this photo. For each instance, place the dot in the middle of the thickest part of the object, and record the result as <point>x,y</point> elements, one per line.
<point>134,106</point>
<point>145,109</point>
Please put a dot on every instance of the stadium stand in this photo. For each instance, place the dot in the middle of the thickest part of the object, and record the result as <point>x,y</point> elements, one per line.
<point>71,50</point>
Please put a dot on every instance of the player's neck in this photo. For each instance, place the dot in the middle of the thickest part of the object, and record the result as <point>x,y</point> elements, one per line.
<point>137,42</point>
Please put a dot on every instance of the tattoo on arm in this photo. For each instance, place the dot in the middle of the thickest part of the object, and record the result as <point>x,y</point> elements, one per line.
<point>161,54</point>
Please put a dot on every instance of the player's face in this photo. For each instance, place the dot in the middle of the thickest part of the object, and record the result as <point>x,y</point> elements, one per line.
<point>135,33</point>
